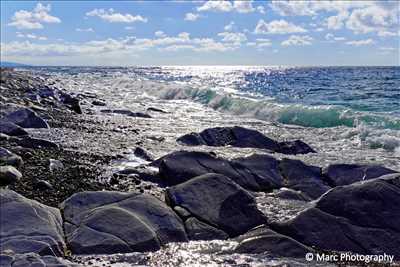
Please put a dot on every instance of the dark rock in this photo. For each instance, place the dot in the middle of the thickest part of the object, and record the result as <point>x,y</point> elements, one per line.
<point>305,178</point>
<point>26,118</point>
<point>31,142</point>
<point>98,103</point>
<point>294,148</point>
<point>198,230</point>
<point>257,172</point>
<point>71,102</point>
<point>156,110</point>
<point>287,193</point>
<point>9,128</point>
<point>362,218</point>
<point>43,185</point>
<point>218,201</point>
<point>9,175</point>
<point>235,136</point>
<point>33,260</point>
<point>9,158</point>
<point>344,174</point>
<point>274,244</point>
<point>126,112</point>
<point>4,137</point>
<point>114,222</point>
<point>143,154</point>
<point>182,212</point>
<point>29,226</point>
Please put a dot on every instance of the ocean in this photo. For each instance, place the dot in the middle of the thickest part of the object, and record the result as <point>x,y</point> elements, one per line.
<point>363,98</point>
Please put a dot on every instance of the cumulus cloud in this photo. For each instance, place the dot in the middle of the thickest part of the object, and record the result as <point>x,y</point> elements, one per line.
<point>261,9</point>
<point>298,40</point>
<point>34,19</point>
<point>229,27</point>
<point>84,30</point>
<point>160,34</point>
<point>111,16</point>
<point>227,6</point>
<point>191,16</point>
<point>233,37</point>
<point>368,41</point>
<point>277,27</point>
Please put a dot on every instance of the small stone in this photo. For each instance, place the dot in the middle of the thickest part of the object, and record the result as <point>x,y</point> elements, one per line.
<point>43,185</point>
<point>98,103</point>
<point>9,175</point>
<point>9,158</point>
<point>55,165</point>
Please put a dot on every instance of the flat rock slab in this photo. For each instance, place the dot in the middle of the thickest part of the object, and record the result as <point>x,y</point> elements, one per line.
<point>11,129</point>
<point>362,217</point>
<point>34,260</point>
<point>243,137</point>
<point>257,172</point>
<point>31,142</point>
<point>26,118</point>
<point>29,226</point>
<point>305,178</point>
<point>107,222</point>
<point>344,174</point>
<point>219,202</point>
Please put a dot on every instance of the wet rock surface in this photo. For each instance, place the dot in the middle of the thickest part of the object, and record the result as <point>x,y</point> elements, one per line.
<point>29,226</point>
<point>11,129</point>
<point>26,118</point>
<point>363,216</point>
<point>114,222</point>
<point>243,137</point>
<point>9,175</point>
<point>34,260</point>
<point>9,158</point>
<point>218,201</point>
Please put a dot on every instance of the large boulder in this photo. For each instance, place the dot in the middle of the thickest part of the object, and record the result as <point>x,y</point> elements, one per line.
<point>26,118</point>
<point>362,218</point>
<point>234,136</point>
<point>305,178</point>
<point>268,241</point>
<point>9,158</point>
<point>198,230</point>
<point>217,201</point>
<point>9,175</point>
<point>29,226</point>
<point>257,172</point>
<point>115,222</point>
<point>344,174</point>
<point>242,137</point>
<point>33,260</point>
<point>9,128</point>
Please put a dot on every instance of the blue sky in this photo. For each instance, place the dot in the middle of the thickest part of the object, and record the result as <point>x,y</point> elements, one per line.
<point>200,32</point>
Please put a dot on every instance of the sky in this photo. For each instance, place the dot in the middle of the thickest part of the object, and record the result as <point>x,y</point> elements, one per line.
<point>131,33</point>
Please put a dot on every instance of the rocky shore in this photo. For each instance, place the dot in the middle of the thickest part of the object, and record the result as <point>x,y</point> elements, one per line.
<point>82,179</point>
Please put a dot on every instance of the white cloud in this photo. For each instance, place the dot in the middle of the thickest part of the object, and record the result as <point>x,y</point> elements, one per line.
<point>34,19</point>
<point>230,26</point>
<point>216,6</point>
<point>84,30</point>
<point>31,36</point>
<point>261,9</point>
<point>298,40</point>
<point>277,27</point>
<point>331,37</point>
<point>387,48</point>
<point>262,42</point>
<point>368,41</point>
<point>160,34</point>
<point>129,28</point>
<point>243,6</point>
<point>227,6</point>
<point>191,16</point>
<point>233,37</point>
<point>111,16</point>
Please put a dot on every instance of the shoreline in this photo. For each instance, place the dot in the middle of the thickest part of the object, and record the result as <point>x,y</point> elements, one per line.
<point>99,151</point>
